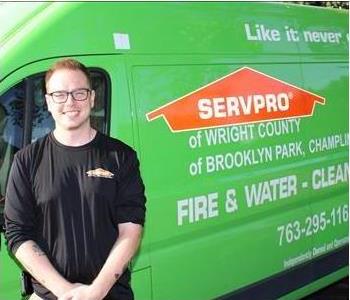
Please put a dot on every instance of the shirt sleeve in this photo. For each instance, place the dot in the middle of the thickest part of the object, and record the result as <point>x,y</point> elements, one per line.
<point>130,202</point>
<point>19,207</point>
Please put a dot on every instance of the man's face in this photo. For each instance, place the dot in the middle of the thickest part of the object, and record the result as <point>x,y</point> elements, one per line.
<point>71,114</point>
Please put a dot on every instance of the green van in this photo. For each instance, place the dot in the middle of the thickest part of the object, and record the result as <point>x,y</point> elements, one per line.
<point>239,114</point>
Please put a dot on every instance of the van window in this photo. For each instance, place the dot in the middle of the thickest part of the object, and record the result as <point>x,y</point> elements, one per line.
<point>11,129</point>
<point>11,133</point>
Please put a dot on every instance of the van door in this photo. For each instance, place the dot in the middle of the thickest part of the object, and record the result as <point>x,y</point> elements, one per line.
<point>221,198</point>
<point>328,146</point>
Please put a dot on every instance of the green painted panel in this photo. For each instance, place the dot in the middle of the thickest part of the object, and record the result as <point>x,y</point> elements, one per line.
<point>170,28</point>
<point>200,228</point>
<point>10,286</point>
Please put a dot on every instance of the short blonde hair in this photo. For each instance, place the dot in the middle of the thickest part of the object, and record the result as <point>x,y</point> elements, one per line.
<point>70,64</point>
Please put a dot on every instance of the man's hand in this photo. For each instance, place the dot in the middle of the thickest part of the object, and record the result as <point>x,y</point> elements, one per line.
<point>118,259</point>
<point>82,292</point>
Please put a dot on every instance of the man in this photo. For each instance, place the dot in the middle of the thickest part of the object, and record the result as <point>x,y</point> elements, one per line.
<point>75,201</point>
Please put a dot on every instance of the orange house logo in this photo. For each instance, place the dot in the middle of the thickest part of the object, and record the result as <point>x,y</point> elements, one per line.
<point>244,96</point>
<point>99,172</point>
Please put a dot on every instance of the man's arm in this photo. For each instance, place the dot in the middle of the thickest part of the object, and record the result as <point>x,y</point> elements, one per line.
<point>38,265</point>
<point>123,250</point>
<point>21,229</point>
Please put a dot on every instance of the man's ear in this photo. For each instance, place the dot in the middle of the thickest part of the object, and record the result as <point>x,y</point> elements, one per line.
<point>48,103</point>
<point>92,98</point>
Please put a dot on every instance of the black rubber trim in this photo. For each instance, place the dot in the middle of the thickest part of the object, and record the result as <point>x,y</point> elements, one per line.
<point>294,278</point>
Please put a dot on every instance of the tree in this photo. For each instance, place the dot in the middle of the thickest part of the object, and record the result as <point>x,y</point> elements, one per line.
<point>333,4</point>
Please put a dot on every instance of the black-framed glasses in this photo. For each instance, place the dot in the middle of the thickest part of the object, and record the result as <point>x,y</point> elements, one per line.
<point>77,95</point>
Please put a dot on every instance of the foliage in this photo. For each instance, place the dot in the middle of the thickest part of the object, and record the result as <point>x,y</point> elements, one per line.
<point>333,4</point>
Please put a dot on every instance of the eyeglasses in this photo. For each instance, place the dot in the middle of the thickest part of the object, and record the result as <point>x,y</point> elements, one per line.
<point>77,95</point>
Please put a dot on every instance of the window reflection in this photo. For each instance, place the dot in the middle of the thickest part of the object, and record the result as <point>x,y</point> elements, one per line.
<point>11,131</point>
<point>42,120</point>
<point>98,113</point>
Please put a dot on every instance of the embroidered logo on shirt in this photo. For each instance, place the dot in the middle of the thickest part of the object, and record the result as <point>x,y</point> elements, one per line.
<point>99,172</point>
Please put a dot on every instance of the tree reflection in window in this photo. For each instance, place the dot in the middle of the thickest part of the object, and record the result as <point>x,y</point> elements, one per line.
<point>11,133</point>
<point>42,121</point>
